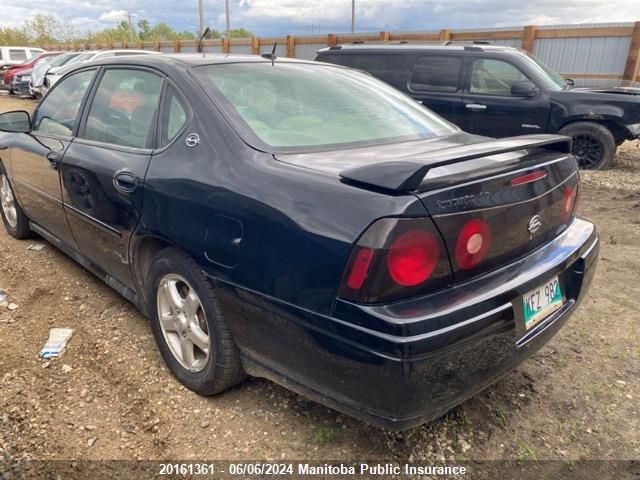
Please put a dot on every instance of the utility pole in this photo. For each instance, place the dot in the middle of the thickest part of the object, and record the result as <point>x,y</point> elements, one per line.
<point>226,10</point>
<point>129,15</point>
<point>353,16</point>
<point>201,15</point>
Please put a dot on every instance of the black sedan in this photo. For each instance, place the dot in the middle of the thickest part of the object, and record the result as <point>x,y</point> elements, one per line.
<point>306,223</point>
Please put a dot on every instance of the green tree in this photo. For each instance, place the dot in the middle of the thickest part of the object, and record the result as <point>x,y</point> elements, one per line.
<point>144,29</point>
<point>43,29</point>
<point>13,36</point>
<point>239,33</point>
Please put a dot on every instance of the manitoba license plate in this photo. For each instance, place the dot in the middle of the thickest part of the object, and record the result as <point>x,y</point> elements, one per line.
<point>541,301</point>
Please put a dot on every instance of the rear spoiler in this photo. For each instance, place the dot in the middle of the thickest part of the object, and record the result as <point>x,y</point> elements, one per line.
<point>401,176</point>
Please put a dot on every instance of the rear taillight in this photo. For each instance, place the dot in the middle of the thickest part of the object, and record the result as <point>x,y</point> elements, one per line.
<point>396,258</point>
<point>569,194</point>
<point>360,268</point>
<point>412,257</point>
<point>472,243</point>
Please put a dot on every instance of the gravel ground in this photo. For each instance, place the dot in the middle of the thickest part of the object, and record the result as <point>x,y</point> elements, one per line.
<point>110,396</point>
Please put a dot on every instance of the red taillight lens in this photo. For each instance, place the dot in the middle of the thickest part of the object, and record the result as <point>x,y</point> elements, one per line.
<point>412,257</point>
<point>396,258</point>
<point>360,268</point>
<point>472,244</point>
<point>568,201</point>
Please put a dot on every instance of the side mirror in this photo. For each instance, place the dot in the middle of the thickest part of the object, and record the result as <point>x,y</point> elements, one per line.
<point>17,121</point>
<point>524,89</point>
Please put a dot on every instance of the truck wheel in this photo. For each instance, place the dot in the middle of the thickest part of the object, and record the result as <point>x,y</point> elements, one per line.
<point>15,221</point>
<point>189,325</point>
<point>593,144</point>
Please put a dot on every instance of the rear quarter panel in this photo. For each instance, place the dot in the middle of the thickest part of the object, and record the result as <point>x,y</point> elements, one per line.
<point>253,221</point>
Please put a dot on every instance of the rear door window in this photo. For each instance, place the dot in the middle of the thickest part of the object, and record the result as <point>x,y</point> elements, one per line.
<point>35,53</point>
<point>436,73</point>
<point>16,54</point>
<point>174,116</point>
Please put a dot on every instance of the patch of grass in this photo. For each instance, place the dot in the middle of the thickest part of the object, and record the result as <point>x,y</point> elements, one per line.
<point>322,435</point>
<point>501,417</point>
<point>526,452</point>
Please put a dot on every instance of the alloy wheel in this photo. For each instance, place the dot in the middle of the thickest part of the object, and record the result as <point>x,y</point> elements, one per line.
<point>8,202</point>
<point>183,322</point>
<point>588,151</point>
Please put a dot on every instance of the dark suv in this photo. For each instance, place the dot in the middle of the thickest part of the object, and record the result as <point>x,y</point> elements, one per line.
<point>501,91</point>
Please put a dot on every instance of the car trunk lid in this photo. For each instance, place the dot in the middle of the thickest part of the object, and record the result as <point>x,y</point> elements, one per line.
<point>492,201</point>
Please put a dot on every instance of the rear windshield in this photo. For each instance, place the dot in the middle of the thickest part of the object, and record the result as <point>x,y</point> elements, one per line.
<point>298,106</point>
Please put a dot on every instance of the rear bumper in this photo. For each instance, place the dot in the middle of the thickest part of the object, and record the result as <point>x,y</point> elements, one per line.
<point>400,365</point>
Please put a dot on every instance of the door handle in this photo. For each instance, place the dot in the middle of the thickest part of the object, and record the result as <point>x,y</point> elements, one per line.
<point>125,182</point>
<point>53,159</point>
<point>476,107</point>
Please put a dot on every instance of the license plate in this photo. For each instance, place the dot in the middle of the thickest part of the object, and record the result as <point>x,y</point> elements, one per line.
<point>541,302</point>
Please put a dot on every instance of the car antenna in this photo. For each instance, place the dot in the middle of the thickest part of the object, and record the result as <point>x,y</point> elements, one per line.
<point>271,55</point>
<point>204,34</point>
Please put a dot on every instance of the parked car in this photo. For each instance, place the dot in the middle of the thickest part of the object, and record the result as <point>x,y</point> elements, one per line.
<point>20,82</point>
<point>41,67</point>
<point>16,55</point>
<point>501,91</point>
<point>306,223</point>
<point>10,72</point>
<point>53,76</point>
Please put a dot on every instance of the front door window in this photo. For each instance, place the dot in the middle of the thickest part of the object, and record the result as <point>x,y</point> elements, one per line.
<point>494,77</point>
<point>124,108</point>
<point>58,112</point>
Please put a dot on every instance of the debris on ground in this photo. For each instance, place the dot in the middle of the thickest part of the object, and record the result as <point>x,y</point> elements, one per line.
<point>36,247</point>
<point>58,338</point>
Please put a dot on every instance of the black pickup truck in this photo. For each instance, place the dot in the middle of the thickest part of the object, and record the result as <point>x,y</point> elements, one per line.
<point>501,91</point>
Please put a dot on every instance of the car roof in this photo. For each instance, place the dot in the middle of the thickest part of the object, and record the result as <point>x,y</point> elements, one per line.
<point>121,50</point>
<point>191,59</point>
<point>416,47</point>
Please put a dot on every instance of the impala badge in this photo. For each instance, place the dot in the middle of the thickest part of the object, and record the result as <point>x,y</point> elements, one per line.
<point>192,140</point>
<point>535,224</point>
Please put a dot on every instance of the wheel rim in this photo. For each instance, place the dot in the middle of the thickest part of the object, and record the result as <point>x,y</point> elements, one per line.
<point>183,322</point>
<point>8,202</point>
<point>588,151</point>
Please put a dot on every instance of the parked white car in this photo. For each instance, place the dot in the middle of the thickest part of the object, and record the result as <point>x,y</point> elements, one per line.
<point>54,75</point>
<point>48,64</point>
<point>15,55</point>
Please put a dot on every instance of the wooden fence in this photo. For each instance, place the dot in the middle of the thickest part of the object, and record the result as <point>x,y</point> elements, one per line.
<point>527,38</point>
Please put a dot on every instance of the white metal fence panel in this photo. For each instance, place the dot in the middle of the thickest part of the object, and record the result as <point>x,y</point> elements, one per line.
<point>281,49</point>
<point>241,49</point>
<point>212,48</point>
<point>307,51</point>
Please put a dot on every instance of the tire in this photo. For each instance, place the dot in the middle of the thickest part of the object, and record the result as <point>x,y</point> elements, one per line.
<point>174,271</point>
<point>15,221</point>
<point>593,144</point>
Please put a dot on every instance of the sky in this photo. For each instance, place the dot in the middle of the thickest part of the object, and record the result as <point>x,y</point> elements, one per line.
<point>305,17</point>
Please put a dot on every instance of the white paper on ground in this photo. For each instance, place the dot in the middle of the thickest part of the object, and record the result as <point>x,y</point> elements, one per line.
<point>58,338</point>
